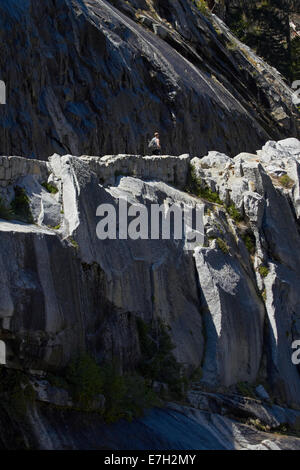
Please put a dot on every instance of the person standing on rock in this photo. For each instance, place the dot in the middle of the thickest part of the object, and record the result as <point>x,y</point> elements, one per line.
<point>154,144</point>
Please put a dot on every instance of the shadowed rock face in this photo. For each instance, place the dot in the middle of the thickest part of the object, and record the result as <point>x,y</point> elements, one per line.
<point>175,427</point>
<point>87,77</point>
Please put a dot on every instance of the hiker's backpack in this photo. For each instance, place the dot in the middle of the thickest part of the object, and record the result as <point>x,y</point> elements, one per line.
<point>152,144</point>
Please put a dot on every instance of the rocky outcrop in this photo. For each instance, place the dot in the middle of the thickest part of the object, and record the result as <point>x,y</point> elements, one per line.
<point>174,427</point>
<point>99,77</point>
<point>230,304</point>
<point>12,168</point>
<point>173,170</point>
<point>269,205</point>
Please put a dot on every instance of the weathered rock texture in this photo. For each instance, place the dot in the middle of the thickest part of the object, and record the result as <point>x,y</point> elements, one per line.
<point>264,188</point>
<point>98,77</point>
<point>173,170</point>
<point>231,305</point>
<point>175,427</point>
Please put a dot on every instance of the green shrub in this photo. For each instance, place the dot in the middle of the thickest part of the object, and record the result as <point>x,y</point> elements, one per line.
<point>234,213</point>
<point>86,380</point>
<point>202,7</point>
<point>139,396</point>
<point>158,362</point>
<point>57,381</point>
<point>239,27</point>
<point>50,188</point>
<point>263,271</point>
<point>73,243</point>
<point>5,212</point>
<point>286,181</point>
<point>197,374</point>
<point>20,206</point>
<point>126,396</point>
<point>16,390</point>
<point>287,430</point>
<point>223,245</point>
<point>195,187</point>
<point>258,425</point>
<point>114,391</point>
<point>209,195</point>
<point>249,241</point>
<point>245,389</point>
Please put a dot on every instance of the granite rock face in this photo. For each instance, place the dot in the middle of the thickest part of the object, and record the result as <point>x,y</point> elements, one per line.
<point>233,316</point>
<point>173,427</point>
<point>228,295</point>
<point>231,303</point>
<point>270,208</point>
<point>99,77</point>
<point>89,83</point>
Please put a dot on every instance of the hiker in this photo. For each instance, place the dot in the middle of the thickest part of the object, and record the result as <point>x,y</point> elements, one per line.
<point>154,144</point>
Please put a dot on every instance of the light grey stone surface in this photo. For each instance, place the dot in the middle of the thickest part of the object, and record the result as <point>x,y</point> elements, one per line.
<point>233,316</point>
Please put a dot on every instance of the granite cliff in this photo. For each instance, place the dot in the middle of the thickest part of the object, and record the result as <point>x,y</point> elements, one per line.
<point>97,77</point>
<point>202,337</point>
<point>230,305</point>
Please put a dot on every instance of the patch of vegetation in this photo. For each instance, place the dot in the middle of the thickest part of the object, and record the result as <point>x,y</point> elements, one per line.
<point>202,6</point>
<point>249,240</point>
<point>16,390</point>
<point>286,181</point>
<point>263,270</point>
<point>239,27</point>
<point>85,379</point>
<point>232,46</point>
<point>73,243</point>
<point>245,389</point>
<point>234,213</point>
<point>264,295</point>
<point>196,375</point>
<point>158,363</point>
<point>286,430</point>
<point>209,195</point>
<point>223,245</point>
<point>126,396</point>
<point>264,27</point>
<point>57,381</point>
<point>258,425</point>
<point>195,187</point>
<point>283,429</point>
<point>57,227</point>
<point>20,206</point>
<point>5,212</point>
<point>50,188</point>
<point>295,53</point>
